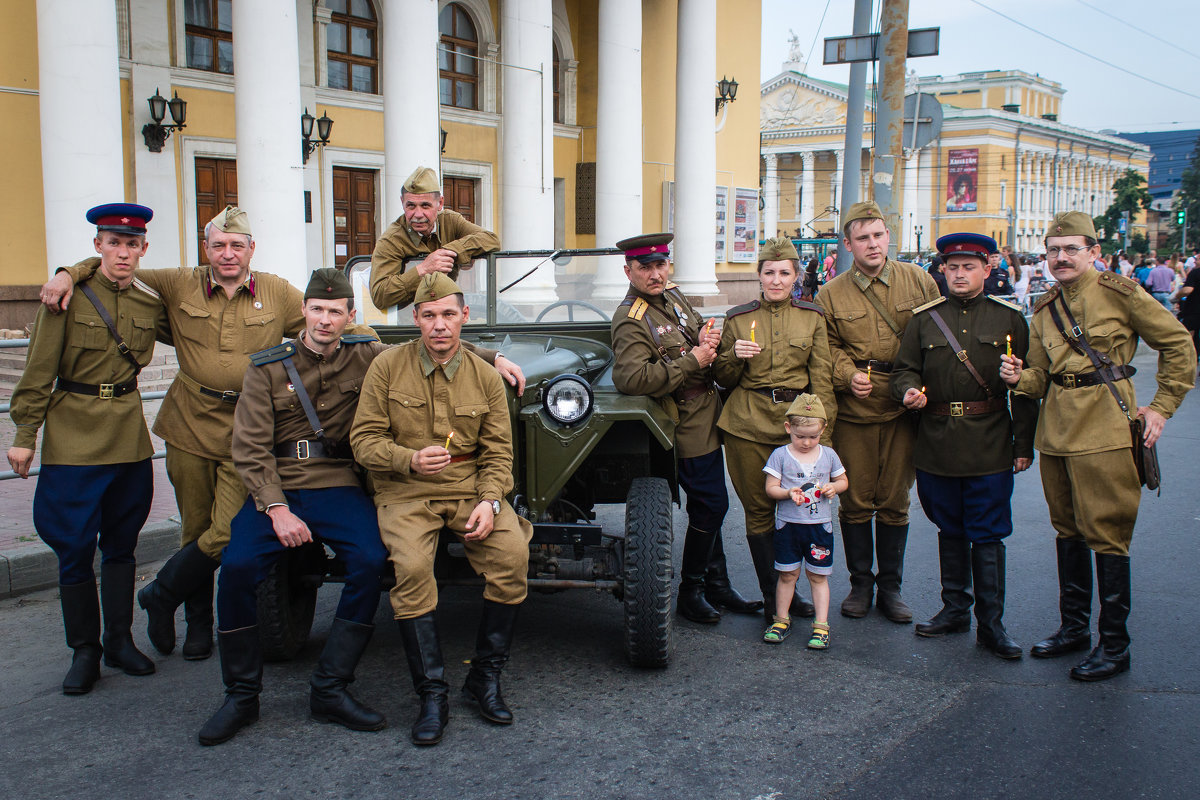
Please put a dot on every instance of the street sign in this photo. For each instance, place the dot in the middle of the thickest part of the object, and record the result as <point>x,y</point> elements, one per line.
<point>848,49</point>
<point>1121,225</point>
<point>922,120</point>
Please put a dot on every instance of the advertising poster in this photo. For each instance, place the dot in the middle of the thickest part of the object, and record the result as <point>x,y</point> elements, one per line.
<point>745,225</point>
<point>962,180</point>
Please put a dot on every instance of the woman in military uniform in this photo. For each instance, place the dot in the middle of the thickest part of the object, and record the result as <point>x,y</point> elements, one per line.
<point>772,350</point>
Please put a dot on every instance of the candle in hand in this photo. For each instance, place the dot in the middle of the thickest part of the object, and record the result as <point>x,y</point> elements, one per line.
<point>752,324</point>
<point>449,436</point>
<point>1008,339</point>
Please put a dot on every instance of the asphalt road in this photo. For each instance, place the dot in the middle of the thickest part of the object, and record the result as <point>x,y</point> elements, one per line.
<point>881,714</point>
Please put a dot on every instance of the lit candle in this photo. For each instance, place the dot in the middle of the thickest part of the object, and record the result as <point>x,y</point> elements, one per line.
<point>711,320</point>
<point>449,436</point>
<point>868,372</point>
<point>752,324</point>
<point>922,390</point>
<point>1008,339</point>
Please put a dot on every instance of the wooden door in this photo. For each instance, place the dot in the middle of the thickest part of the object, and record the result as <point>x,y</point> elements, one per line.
<point>216,187</point>
<point>353,213</point>
<point>459,194</point>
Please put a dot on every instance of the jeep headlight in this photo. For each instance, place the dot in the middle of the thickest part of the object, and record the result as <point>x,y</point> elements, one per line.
<point>568,399</point>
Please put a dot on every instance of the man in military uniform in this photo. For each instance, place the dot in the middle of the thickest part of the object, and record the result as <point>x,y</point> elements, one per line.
<point>968,445</point>
<point>664,351</point>
<point>433,429</point>
<point>1088,472</point>
<point>998,280</point>
<point>866,310</point>
<point>300,474</point>
<point>80,382</point>
<point>426,227</point>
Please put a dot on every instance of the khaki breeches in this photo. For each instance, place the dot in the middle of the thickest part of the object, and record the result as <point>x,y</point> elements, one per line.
<point>209,494</point>
<point>878,458</point>
<point>1093,497</point>
<point>745,460</point>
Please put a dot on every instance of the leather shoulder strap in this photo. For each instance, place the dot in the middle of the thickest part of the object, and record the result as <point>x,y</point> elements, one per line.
<point>122,348</point>
<point>305,400</point>
<point>959,351</point>
<point>874,300</point>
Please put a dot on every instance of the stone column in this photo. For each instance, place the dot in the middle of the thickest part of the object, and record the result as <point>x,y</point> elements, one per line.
<point>527,146</point>
<point>618,139</point>
<point>409,63</point>
<point>695,148</point>
<point>79,104</point>
<point>771,196</point>
<point>267,108</point>
<point>808,160</point>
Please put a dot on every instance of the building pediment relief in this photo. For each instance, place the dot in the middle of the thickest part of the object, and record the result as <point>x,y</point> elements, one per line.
<point>794,106</point>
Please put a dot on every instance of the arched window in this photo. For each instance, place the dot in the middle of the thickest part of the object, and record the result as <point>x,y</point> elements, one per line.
<point>557,81</point>
<point>352,46</point>
<point>208,25</point>
<point>458,71</point>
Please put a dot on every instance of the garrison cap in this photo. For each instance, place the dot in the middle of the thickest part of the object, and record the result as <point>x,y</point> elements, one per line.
<point>129,218</point>
<point>647,247</point>
<point>778,249</point>
<point>807,405</point>
<point>232,220</point>
<point>328,283</point>
<point>867,209</point>
<point>422,181</point>
<point>435,286</point>
<point>1071,223</point>
<point>971,244</point>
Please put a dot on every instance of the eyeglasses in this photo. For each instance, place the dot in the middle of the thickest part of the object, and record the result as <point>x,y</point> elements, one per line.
<point>1071,251</point>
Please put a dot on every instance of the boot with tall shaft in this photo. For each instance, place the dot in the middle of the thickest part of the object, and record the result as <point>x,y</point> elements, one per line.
<point>1074,601</point>
<point>954,558</point>
<point>1111,656</point>
<point>859,549</point>
<point>697,548</point>
<point>718,590</point>
<point>185,573</point>
<point>116,601</point>
<point>492,645</point>
<point>81,621</point>
<point>241,670</point>
<point>890,543</point>
<point>330,699</point>
<point>988,566</point>
<point>424,654</point>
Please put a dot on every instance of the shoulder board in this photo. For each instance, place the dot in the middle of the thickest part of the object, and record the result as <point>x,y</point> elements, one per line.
<point>1005,303</point>
<point>1047,298</point>
<point>277,353</point>
<point>744,308</point>
<point>143,287</point>
<point>637,309</point>
<point>807,306</point>
<point>671,285</point>
<point>928,305</point>
<point>357,338</point>
<point>1118,283</point>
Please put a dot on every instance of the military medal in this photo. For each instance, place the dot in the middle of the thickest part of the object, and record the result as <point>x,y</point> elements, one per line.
<point>682,317</point>
<point>258,304</point>
<point>291,388</point>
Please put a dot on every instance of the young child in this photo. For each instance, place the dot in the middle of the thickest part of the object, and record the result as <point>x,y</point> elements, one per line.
<point>802,476</point>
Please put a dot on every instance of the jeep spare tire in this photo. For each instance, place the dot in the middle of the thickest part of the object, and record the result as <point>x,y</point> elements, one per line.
<point>287,601</point>
<point>648,573</point>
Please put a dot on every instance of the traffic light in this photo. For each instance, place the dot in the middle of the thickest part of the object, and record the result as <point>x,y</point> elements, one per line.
<point>1180,217</point>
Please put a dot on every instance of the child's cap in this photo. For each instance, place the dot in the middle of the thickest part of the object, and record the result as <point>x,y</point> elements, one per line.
<point>807,405</point>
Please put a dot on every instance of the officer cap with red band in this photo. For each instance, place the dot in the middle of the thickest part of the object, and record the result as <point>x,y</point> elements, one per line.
<point>971,244</point>
<point>129,218</point>
<point>647,247</point>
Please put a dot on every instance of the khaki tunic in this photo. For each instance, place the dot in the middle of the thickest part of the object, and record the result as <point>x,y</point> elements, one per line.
<point>1088,475</point>
<point>391,285</point>
<point>666,370</point>
<point>77,346</point>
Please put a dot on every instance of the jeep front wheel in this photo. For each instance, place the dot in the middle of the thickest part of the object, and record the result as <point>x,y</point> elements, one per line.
<point>287,601</point>
<point>648,572</point>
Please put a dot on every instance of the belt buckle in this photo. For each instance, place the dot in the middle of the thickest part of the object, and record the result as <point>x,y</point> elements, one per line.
<point>775,395</point>
<point>106,391</point>
<point>1068,379</point>
<point>229,396</point>
<point>302,450</point>
<point>956,409</point>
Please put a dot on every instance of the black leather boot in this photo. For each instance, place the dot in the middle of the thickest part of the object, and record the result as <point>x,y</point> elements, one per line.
<point>859,550</point>
<point>81,620</point>
<point>890,541</point>
<point>241,669</point>
<point>697,547</point>
<point>198,611</point>
<point>1074,601</point>
<point>718,591</point>
<point>1111,656</point>
<point>330,700</point>
<point>424,654</point>
<point>116,600</point>
<point>987,563</point>
<point>179,578</point>
<point>954,558</point>
<point>492,643</point>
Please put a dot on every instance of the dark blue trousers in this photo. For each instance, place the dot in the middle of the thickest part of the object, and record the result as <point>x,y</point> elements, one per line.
<point>73,506</point>
<point>342,517</point>
<point>703,479</point>
<point>977,508</point>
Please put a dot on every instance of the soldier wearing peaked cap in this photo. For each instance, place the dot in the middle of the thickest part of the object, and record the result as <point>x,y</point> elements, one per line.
<point>665,351</point>
<point>1088,472</point>
<point>80,387</point>
<point>867,308</point>
<point>969,445</point>
<point>448,241</point>
<point>772,350</point>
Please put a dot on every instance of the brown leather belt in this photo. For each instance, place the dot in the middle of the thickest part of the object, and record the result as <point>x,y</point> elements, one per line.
<point>105,391</point>
<point>304,449</point>
<point>1074,380</point>
<point>780,395</point>
<point>684,395</point>
<point>969,408</point>
<point>464,457</point>
<point>876,366</point>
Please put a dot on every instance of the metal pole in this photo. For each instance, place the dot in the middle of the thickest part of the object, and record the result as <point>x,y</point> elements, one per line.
<point>889,116</point>
<point>852,157</point>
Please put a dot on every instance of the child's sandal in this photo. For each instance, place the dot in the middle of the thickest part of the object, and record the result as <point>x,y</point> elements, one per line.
<point>820,637</point>
<point>778,631</point>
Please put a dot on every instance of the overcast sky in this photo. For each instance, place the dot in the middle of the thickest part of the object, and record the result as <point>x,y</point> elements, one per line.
<point>974,38</point>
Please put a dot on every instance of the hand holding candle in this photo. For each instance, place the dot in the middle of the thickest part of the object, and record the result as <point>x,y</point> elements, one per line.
<point>1008,340</point>
<point>752,324</point>
<point>449,436</point>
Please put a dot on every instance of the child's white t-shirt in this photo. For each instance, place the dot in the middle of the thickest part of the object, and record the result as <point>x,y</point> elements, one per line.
<point>816,508</point>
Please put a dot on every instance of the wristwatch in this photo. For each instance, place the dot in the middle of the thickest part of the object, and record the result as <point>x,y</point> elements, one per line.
<point>495,507</point>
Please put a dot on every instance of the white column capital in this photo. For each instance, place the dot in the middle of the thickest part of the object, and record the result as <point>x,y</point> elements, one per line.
<point>772,160</point>
<point>808,158</point>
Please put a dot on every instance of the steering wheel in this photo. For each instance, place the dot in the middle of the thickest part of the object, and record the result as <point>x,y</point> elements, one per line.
<point>571,314</point>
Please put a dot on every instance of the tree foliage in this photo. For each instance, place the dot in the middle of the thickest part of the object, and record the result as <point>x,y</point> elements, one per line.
<point>1129,194</point>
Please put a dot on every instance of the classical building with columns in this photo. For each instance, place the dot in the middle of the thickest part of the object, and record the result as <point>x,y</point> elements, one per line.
<point>557,123</point>
<point>1003,165</point>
